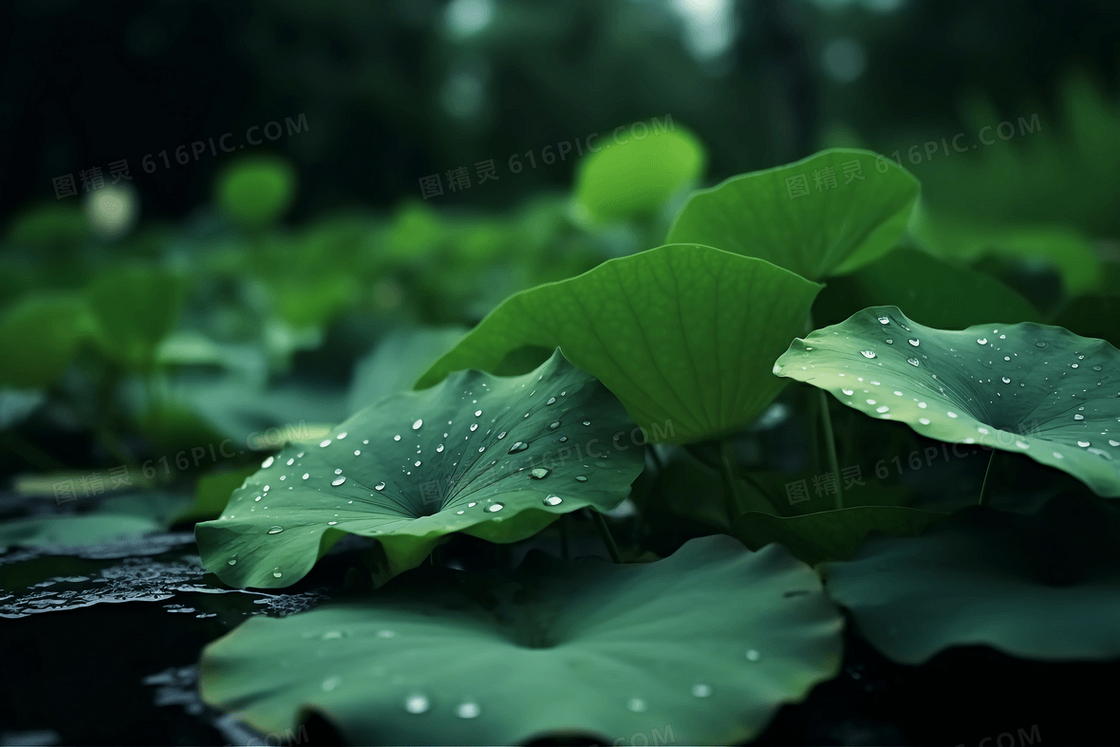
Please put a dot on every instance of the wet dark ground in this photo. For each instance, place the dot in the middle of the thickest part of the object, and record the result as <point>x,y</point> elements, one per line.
<point>100,648</point>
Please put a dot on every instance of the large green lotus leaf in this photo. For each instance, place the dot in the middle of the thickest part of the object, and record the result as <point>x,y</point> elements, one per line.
<point>682,334</point>
<point>709,641</point>
<point>135,307</point>
<point>1026,388</point>
<point>637,177</point>
<point>397,361</point>
<point>830,535</point>
<point>39,336</point>
<point>842,222</point>
<point>929,288</point>
<point>497,458</point>
<point>1042,587</point>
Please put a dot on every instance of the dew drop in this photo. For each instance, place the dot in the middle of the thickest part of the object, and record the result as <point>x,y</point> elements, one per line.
<point>325,443</point>
<point>416,463</point>
<point>478,413</point>
<point>1006,380</point>
<point>913,361</point>
<point>889,341</point>
<point>923,421</point>
<point>267,463</point>
<point>1096,368</point>
<point>554,425</point>
<point>923,405</point>
<point>1022,444</point>
<point>495,507</point>
<point>551,401</point>
<point>467,710</point>
<point>472,504</point>
<point>306,475</point>
<point>338,481</point>
<point>331,523</point>
<point>396,438</point>
<point>581,478</point>
<point>357,452</point>
<point>519,446</point>
<point>848,392</point>
<point>1073,365</point>
<point>882,408</point>
<point>276,530</point>
<point>539,473</point>
<point>1041,344</point>
<point>884,320</point>
<point>1113,443</point>
<point>232,561</point>
<point>1083,444</point>
<point>982,340</point>
<point>915,342</point>
<point>867,353</point>
<point>276,572</point>
<point>257,498</point>
<point>951,414</point>
<point>501,435</point>
<point>1078,416</point>
<point>553,500</point>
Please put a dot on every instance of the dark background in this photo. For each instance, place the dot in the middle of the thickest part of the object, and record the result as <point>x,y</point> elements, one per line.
<point>391,94</point>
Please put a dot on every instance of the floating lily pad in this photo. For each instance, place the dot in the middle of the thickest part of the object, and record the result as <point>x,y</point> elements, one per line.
<point>1041,587</point>
<point>1026,388</point>
<point>116,517</point>
<point>682,334</point>
<point>823,215</point>
<point>710,640</point>
<point>497,458</point>
<point>830,535</point>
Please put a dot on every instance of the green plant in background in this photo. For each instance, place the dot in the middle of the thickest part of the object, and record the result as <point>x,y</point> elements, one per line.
<point>657,381</point>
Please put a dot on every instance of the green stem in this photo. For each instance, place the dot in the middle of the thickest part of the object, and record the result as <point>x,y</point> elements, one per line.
<point>734,502</point>
<point>605,533</point>
<point>984,489</point>
<point>830,442</point>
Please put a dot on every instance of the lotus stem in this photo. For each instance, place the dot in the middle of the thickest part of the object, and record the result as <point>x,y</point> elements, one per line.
<point>605,533</point>
<point>734,502</point>
<point>830,442</point>
<point>984,489</point>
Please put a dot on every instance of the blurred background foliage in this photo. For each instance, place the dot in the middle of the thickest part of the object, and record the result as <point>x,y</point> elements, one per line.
<point>280,284</point>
